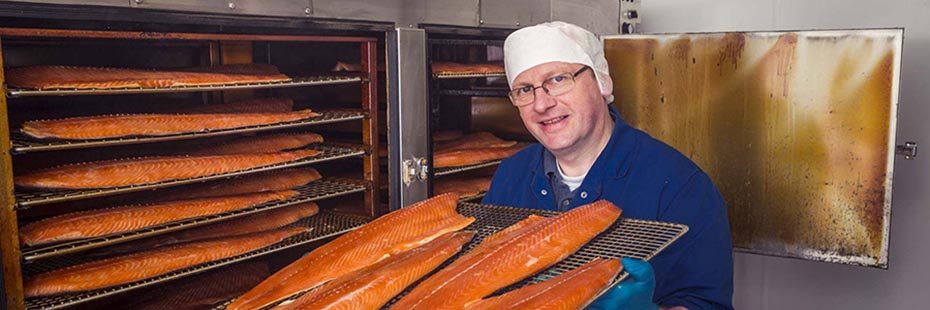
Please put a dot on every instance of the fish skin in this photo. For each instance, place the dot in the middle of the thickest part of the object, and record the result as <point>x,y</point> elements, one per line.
<point>568,291</point>
<point>138,171</point>
<point>375,285</point>
<point>134,267</point>
<point>258,182</point>
<point>95,223</point>
<point>72,77</point>
<point>475,140</point>
<point>518,254</point>
<point>463,186</point>
<point>464,157</point>
<point>261,144</point>
<point>262,105</point>
<point>203,291</point>
<point>252,223</point>
<point>388,235</point>
<point>116,126</point>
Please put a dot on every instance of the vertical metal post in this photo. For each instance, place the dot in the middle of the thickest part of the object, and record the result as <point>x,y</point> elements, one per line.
<point>408,117</point>
<point>369,55</point>
<point>9,232</point>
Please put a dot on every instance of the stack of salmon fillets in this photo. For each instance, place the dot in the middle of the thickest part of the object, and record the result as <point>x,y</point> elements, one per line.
<point>368,267</point>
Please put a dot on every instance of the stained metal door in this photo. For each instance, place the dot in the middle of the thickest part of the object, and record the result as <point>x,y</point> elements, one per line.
<point>797,129</point>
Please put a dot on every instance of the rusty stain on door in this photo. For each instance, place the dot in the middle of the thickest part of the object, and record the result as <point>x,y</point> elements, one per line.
<point>795,128</point>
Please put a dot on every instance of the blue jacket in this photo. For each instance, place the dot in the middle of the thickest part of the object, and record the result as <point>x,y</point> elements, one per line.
<point>648,180</point>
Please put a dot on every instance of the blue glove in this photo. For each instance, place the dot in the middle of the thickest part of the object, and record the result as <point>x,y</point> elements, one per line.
<point>633,293</point>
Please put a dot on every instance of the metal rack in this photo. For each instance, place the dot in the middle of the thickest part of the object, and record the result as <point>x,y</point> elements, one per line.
<point>19,262</point>
<point>318,190</point>
<point>444,76</point>
<point>625,238</point>
<point>326,224</point>
<point>327,153</point>
<point>453,170</point>
<point>23,144</point>
<point>294,82</point>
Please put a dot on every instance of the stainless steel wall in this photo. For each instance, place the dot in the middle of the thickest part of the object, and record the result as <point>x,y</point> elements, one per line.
<point>777,283</point>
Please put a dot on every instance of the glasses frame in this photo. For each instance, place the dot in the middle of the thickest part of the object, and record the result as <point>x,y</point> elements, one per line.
<point>573,76</point>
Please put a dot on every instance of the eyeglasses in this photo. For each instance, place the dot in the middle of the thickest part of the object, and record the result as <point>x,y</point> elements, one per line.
<point>554,86</point>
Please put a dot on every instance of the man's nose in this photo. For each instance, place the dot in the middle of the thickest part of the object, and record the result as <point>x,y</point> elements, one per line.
<point>543,101</point>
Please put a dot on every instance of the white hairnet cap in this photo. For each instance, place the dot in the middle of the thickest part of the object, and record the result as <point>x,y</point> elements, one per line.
<point>556,41</point>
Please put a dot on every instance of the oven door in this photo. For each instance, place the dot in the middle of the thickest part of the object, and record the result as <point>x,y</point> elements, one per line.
<point>797,130</point>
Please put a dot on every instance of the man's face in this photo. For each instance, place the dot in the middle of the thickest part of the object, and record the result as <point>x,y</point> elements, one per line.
<point>560,122</point>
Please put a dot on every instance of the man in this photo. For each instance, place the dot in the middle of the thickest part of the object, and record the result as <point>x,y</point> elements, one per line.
<point>561,85</point>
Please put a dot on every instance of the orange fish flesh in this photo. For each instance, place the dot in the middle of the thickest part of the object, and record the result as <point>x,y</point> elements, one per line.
<point>388,235</point>
<point>373,286</point>
<point>143,265</point>
<point>115,126</point>
<point>568,291</point>
<point>138,171</point>
<point>95,223</point>
<point>509,256</point>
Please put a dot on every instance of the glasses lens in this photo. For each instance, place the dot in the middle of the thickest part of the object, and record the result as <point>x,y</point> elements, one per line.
<point>560,84</point>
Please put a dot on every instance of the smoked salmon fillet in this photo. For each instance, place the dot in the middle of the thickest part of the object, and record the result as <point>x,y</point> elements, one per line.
<point>444,67</point>
<point>465,157</point>
<point>138,171</point>
<point>68,77</point>
<point>463,186</point>
<point>259,182</point>
<point>509,256</point>
<point>116,126</point>
<point>568,291</point>
<point>383,237</point>
<point>375,285</point>
<point>261,144</point>
<point>95,223</point>
<point>263,105</point>
<point>446,135</point>
<point>248,224</point>
<point>203,291</point>
<point>475,140</point>
<point>143,265</point>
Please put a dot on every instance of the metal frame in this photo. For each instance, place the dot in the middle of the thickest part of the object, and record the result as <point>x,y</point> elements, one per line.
<point>407,148</point>
<point>12,256</point>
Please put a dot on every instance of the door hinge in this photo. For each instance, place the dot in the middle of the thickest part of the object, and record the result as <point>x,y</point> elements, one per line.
<point>416,169</point>
<point>908,149</point>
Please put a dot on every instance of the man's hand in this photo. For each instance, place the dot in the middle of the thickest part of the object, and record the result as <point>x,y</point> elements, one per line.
<point>634,293</point>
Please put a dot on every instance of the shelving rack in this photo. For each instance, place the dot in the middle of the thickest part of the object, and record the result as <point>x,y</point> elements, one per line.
<point>19,262</point>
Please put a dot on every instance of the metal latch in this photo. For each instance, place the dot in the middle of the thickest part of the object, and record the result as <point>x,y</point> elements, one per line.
<point>909,150</point>
<point>415,169</point>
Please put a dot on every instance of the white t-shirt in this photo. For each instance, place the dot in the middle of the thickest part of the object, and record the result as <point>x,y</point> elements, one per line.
<point>572,182</point>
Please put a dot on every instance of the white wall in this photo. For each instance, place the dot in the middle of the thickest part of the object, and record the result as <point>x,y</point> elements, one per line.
<point>777,283</point>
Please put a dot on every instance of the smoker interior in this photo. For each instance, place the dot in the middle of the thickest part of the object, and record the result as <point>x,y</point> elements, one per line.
<point>469,103</point>
<point>350,103</point>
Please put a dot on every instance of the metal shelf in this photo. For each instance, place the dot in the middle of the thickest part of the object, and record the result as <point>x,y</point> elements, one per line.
<point>465,42</point>
<point>23,144</point>
<point>318,190</point>
<point>472,92</point>
<point>327,153</point>
<point>326,224</point>
<point>443,76</point>
<point>625,238</point>
<point>295,82</point>
<point>453,170</point>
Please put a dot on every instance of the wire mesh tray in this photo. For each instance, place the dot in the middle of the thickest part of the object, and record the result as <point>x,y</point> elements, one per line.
<point>625,238</point>
<point>325,224</point>
<point>295,82</point>
<point>23,144</point>
<point>443,76</point>
<point>453,170</point>
<point>317,190</point>
<point>327,153</point>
